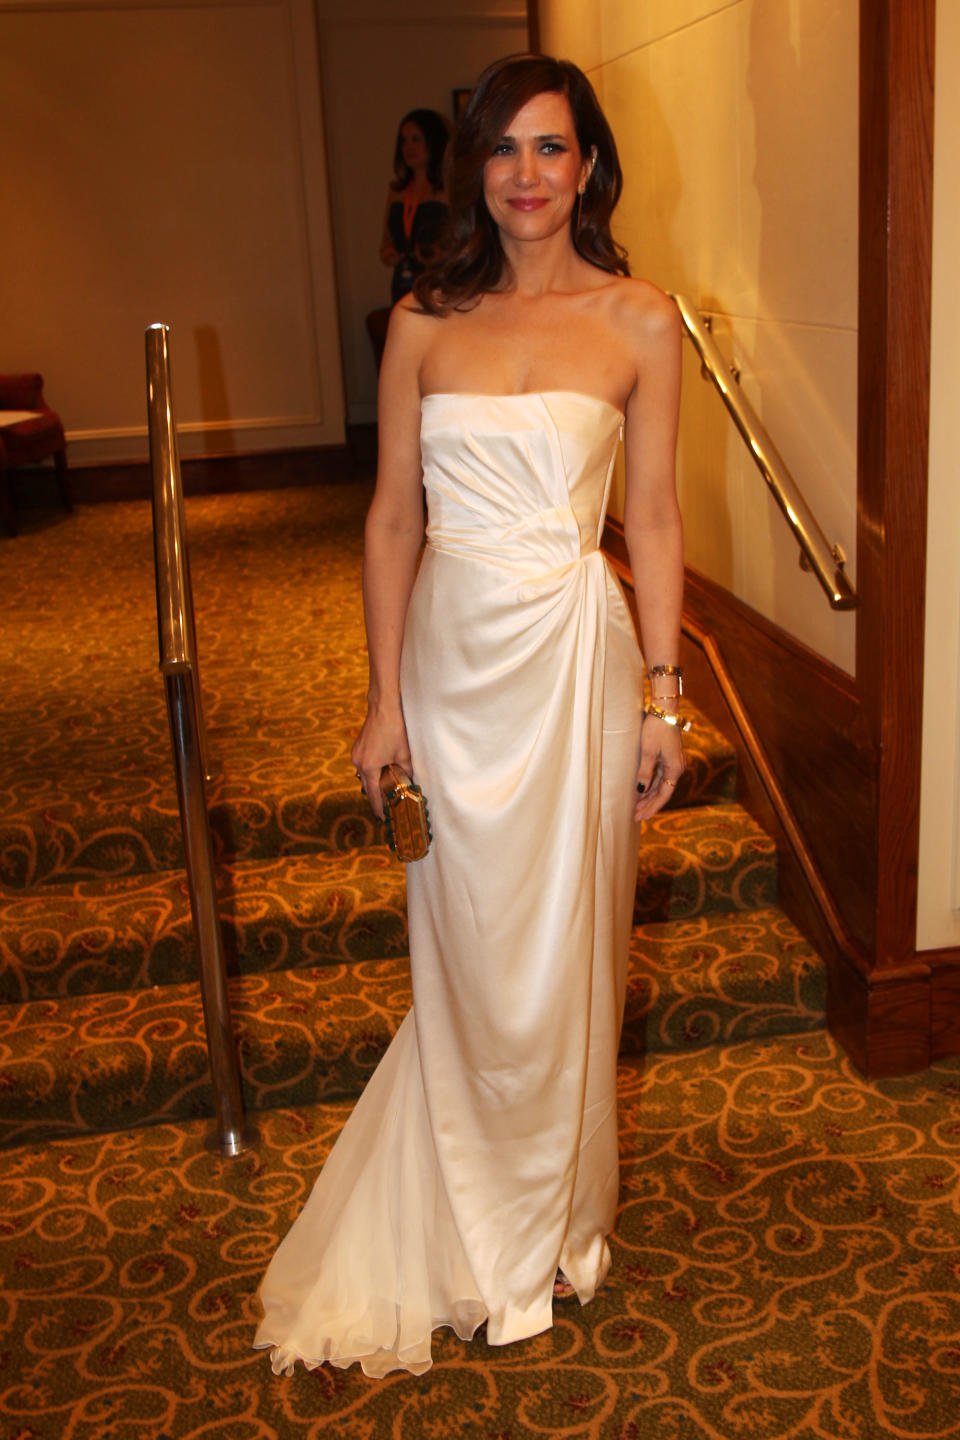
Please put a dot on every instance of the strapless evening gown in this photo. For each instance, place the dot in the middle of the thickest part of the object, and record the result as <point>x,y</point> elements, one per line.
<point>482,1154</point>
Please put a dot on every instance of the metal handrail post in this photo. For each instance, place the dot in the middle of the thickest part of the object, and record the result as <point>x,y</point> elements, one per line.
<point>824,559</point>
<point>175,617</point>
<point>231,1135</point>
<point>177,644</point>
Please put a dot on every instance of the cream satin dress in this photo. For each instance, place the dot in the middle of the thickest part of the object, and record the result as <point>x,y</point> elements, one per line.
<point>482,1155</point>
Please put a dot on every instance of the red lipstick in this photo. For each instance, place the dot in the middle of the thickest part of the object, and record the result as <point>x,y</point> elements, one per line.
<point>527,203</point>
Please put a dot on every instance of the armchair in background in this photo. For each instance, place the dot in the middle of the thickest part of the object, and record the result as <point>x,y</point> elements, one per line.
<point>29,432</point>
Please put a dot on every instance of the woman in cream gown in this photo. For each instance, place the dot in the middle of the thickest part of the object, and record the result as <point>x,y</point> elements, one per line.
<point>481,1160</point>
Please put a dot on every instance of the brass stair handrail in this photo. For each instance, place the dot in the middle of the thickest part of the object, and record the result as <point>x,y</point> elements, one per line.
<point>178,665</point>
<point>816,553</point>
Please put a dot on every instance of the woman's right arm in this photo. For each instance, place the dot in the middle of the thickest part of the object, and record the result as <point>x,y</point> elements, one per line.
<point>389,253</point>
<point>392,540</point>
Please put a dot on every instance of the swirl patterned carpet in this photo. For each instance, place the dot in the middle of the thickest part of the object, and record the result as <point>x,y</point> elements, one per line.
<point>787,1257</point>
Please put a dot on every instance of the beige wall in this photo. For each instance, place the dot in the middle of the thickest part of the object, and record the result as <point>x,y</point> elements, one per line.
<point>938,922</point>
<point>737,126</point>
<point>165,161</point>
<point>379,61</point>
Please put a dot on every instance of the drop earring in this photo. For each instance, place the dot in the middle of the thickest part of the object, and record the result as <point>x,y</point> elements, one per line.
<point>583,185</point>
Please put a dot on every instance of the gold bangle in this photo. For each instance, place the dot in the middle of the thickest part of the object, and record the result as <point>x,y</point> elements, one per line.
<point>680,721</point>
<point>677,670</point>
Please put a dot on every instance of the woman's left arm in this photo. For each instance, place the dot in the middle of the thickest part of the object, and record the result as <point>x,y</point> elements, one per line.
<point>653,528</point>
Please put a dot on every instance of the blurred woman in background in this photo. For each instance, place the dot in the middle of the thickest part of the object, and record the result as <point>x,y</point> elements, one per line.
<point>416,202</point>
<point>415,213</point>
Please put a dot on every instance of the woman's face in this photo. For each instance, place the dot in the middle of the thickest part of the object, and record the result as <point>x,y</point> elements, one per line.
<point>530,181</point>
<point>413,146</point>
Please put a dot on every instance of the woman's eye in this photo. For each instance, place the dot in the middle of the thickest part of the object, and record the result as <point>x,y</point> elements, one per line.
<point>504,148</point>
<point>552,147</point>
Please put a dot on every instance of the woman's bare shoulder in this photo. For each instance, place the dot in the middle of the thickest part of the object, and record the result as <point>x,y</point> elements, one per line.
<point>643,308</point>
<point>409,313</point>
<point>409,335</point>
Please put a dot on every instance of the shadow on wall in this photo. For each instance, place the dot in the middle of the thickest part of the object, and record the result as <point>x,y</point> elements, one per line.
<point>218,437</point>
<point>702,451</point>
<point>704,480</point>
<point>790,256</point>
<point>801,351</point>
<point>774,85</point>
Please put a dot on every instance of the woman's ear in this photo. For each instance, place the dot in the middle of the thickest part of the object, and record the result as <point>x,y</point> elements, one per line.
<point>586,169</point>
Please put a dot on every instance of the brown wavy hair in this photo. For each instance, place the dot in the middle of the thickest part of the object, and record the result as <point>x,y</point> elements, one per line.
<point>470,259</point>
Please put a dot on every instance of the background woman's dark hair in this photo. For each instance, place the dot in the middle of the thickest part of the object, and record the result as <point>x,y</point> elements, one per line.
<point>436,132</point>
<point>471,257</point>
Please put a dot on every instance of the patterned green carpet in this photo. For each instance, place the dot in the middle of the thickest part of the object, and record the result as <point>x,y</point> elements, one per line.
<point>787,1257</point>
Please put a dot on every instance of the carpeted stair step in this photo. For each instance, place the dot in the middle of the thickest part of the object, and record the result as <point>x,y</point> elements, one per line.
<point>73,838</point>
<point>720,979</point>
<point>702,859</point>
<point>274,795</point>
<point>95,835</point>
<point>79,1063</point>
<point>103,1062</point>
<point>711,773</point>
<point>135,932</point>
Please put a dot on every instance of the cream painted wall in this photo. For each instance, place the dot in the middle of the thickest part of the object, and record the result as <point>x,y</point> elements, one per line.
<point>737,125</point>
<point>165,161</point>
<point>938,916</point>
<point>379,61</point>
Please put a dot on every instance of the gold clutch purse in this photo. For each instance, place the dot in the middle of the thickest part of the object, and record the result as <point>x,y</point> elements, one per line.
<point>405,812</point>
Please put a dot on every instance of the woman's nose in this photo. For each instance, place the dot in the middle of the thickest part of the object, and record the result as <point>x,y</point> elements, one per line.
<point>525,171</point>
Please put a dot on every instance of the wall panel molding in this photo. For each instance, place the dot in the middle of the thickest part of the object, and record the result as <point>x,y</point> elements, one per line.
<point>208,211</point>
<point>477,20</point>
<point>32,6</point>
<point>242,437</point>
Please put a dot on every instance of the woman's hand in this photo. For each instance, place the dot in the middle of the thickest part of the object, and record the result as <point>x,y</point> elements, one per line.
<point>661,765</point>
<point>392,538</point>
<point>382,741</point>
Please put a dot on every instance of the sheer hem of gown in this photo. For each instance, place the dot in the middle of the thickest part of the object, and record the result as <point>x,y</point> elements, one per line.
<point>482,1155</point>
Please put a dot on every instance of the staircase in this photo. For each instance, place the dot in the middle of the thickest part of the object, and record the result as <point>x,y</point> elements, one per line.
<point>100,1014</point>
